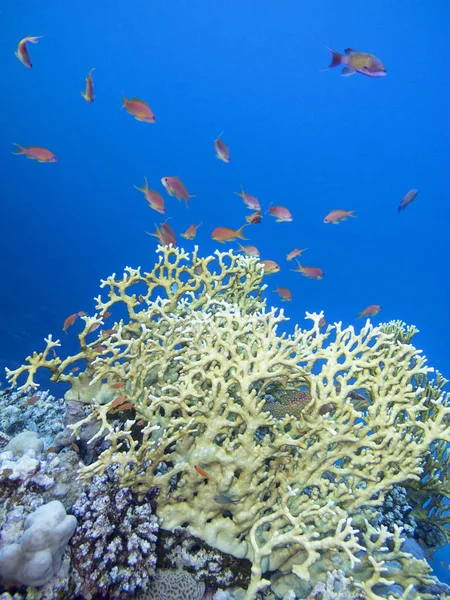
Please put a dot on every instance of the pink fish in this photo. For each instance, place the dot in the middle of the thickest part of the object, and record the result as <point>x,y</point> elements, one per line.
<point>88,94</point>
<point>357,62</point>
<point>190,232</point>
<point>226,234</point>
<point>311,272</point>
<point>254,218</point>
<point>270,266</point>
<point>155,200</point>
<point>249,250</point>
<point>370,311</point>
<point>250,201</point>
<point>281,213</point>
<point>338,215</point>
<point>409,197</point>
<point>175,187</point>
<point>284,293</point>
<point>295,252</point>
<point>22,50</point>
<point>140,110</point>
<point>37,153</point>
<point>222,151</point>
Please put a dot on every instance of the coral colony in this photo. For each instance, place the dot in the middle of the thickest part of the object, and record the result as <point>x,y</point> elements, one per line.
<point>300,462</point>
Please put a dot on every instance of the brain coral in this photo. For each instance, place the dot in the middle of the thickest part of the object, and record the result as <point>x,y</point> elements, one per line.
<point>289,492</point>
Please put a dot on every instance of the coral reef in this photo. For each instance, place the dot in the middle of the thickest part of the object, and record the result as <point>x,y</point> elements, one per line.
<point>291,491</point>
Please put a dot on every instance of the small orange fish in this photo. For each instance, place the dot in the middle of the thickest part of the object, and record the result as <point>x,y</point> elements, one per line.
<point>165,234</point>
<point>75,369</point>
<point>125,406</point>
<point>284,293</point>
<point>22,50</point>
<point>322,322</point>
<point>51,450</point>
<point>250,201</point>
<point>33,400</point>
<point>155,200</point>
<point>226,234</point>
<point>295,252</point>
<point>175,187</point>
<point>222,151</point>
<point>93,327</point>
<point>119,400</point>
<point>88,94</point>
<point>201,471</point>
<point>198,270</point>
<point>70,321</point>
<point>140,110</point>
<point>54,353</point>
<point>42,155</point>
<point>119,385</point>
<point>270,266</point>
<point>100,349</point>
<point>357,62</point>
<point>254,218</point>
<point>337,215</point>
<point>311,272</point>
<point>408,198</point>
<point>76,447</point>
<point>190,232</point>
<point>81,313</point>
<point>370,311</point>
<point>106,314</point>
<point>109,332</point>
<point>250,250</point>
<point>281,213</point>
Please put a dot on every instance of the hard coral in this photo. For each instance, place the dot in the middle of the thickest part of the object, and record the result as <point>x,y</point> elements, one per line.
<point>289,493</point>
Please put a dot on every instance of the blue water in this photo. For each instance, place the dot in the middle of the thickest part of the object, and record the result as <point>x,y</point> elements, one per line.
<point>310,140</point>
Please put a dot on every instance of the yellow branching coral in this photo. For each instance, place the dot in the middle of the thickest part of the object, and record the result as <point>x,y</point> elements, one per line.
<point>287,493</point>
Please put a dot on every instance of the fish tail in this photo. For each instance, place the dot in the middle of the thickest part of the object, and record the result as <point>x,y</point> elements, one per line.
<point>240,231</point>
<point>85,96</point>
<point>124,100</point>
<point>336,59</point>
<point>34,39</point>
<point>188,197</point>
<point>21,149</point>
<point>351,213</point>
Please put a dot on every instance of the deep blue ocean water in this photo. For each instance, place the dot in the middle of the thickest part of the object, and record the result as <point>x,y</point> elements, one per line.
<point>310,140</point>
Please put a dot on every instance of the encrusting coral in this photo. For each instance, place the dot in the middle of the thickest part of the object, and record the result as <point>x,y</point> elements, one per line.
<point>286,491</point>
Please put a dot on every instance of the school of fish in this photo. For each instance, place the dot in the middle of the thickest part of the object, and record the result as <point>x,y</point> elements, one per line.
<point>352,61</point>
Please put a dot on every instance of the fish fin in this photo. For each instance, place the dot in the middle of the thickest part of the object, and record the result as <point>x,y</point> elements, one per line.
<point>351,213</point>
<point>349,51</point>
<point>239,232</point>
<point>347,71</point>
<point>336,59</point>
<point>85,96</point>
<point>124,100</point>
<point>21,149</point>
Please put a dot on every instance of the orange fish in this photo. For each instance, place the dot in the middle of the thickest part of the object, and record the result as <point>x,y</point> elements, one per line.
<point>155,200</point>
<point>33,400</point>
<point>165,234</point>
<point>226,234</point>
<point>100,349</point>
<point>338,215</point>
<point>119,400</point>
<point>370,311</point>
<point>201,471</point>
<point>89,95</point>
<point>222,151</point>
<point>311,272</point>
<point>281,213</point>
<point>119,385</point>
<point>322,322</point>
<point>250,201</point>
<point>357,62</point>
<point>140,110</point>
<point>250,250</point>
<point>93,327</point>
<point>37,153</point>
<point>408,198</point>
<point>270,266</point>
<point>295,252</point>
<point>106,314</point>
<point>175,187</point>
<point>254,218</point>
<point>70,321</point>
<point>284,293</point>
<point>22,50</point>
<point>190,232</point>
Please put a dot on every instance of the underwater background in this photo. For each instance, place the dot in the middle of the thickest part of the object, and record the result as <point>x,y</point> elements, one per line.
<point>309,140</point>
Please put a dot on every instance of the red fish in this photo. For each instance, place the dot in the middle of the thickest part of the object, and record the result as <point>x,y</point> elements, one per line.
<point>201,471</point>
<point>175,187</point>
<point>22,50</point>
<point>165,234</point>
<point>226,234</point>
<point>250,201</point>
<point>295,252</point>
<point>155,200</point>
<point>409,197</point>
<point>222,151</point>
<point>42,155</point>
<point>140,110</point>
<point>254,218</point>
<point>270,266</point>
<point>69,321</point>
<point>338,215</point>
<point>357,62</point>
<point>190,232</point>
<point>311,272</point>
<point>88,94</point>
<point>281,213</point>
<point>284,293</point>
<point>370,311</point>
<point>250,250</point>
